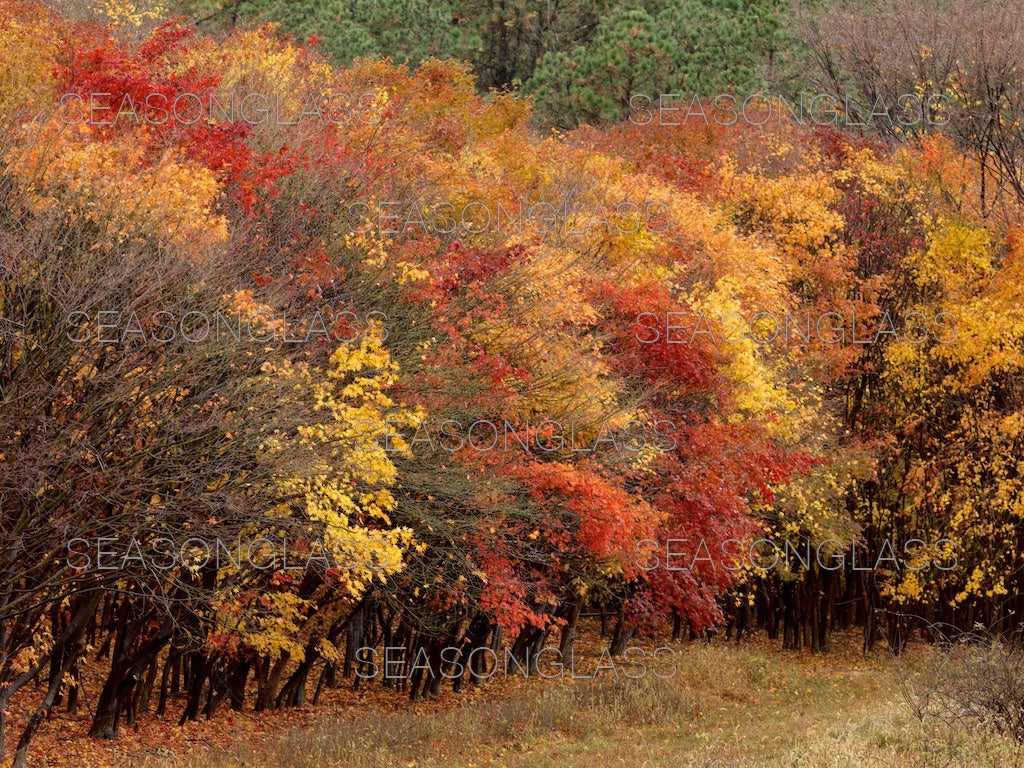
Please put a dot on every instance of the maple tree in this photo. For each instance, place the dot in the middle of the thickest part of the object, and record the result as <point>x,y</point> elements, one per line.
<point>505,422</point>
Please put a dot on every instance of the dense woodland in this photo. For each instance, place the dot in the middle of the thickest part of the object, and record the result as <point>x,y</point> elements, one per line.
<point>386,231</point>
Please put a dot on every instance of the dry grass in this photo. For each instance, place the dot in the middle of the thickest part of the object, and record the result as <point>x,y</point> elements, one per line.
<point>727,707</point>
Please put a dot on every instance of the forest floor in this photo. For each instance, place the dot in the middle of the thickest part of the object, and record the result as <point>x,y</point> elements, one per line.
<point>725,706</point>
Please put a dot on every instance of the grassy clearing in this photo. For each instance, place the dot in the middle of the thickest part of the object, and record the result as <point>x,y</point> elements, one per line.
<point>726,707</point>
